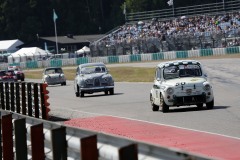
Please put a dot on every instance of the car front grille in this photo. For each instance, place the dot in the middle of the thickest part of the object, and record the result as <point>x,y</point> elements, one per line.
<point>97,82</point>
<point>190,99</point>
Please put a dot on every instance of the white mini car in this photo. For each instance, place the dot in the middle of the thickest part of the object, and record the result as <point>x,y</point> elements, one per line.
<point>53,76</point>
<point>180,83</point>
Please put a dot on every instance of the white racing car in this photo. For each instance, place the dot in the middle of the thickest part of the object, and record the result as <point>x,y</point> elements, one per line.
<point>180,83</point>
<point>53,76</point>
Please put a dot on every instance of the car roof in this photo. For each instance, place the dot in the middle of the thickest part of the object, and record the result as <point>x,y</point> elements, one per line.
<point>177,62</point>
<point>91,64</point>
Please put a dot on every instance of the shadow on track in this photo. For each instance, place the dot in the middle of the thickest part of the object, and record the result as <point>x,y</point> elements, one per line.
<point>191,109</point>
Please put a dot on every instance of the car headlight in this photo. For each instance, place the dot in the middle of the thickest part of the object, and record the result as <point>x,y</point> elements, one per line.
<point>87,81</point>
<point>105,79</point>
<point>207,87</point>
<point>170,90</point>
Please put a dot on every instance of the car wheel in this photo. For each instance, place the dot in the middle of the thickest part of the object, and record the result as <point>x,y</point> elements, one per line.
<point>111,91</point>
<point>154,107</point>
<point>77,93</point>
<point>106,92</point>
<point>200,105</point>
<point>164,106</point>
<point>210,105</point>
<point>81,94</point>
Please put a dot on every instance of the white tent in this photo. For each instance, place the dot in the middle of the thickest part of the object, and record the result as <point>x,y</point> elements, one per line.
<point>27,54</point>
<point>83,50</point>
<point>9,46</point>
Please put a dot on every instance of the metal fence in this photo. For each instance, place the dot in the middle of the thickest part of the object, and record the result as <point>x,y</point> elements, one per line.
<point>204,9</point>
<point>30,138</point>
<point>26,98</point>
<point>178,42</point>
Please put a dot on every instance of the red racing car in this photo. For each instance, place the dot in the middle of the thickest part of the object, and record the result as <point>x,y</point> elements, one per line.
<point>19,73</point>
<point>8,76</point>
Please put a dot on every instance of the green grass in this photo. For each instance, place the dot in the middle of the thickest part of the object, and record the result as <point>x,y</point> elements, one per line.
<point>120,74</point>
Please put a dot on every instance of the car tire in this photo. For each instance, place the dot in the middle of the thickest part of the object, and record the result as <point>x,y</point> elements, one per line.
<point>106,92</point>
<point>163,105</point>
<point>77,93</point>
<point>81,94</point>
<point>210,105</point>
<point>111,91</point>
<point>200,105</point>
<point>154,107</point>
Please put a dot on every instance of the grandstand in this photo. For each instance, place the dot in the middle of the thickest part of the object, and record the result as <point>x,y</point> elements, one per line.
<point>212,25</point>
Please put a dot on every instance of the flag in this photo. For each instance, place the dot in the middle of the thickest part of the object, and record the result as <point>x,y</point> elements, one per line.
<point>170,2</point>
<point>54,16</point>
<point>45,46</point>
<point>124,9</point>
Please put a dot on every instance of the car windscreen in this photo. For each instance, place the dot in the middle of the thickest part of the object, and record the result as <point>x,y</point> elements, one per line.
<point>188,70</point>
<point>53,71</point>
<point>93,69</point>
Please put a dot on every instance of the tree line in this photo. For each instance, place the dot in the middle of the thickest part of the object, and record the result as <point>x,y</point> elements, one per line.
<point>29,19</point>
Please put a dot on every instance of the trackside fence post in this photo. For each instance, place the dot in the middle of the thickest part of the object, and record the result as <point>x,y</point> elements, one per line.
<point>29,97</point>
<point>36,101</point>
<point>37,140</point>
<point>2,96</point>
<point>7,137</point>
<point>89,148</point>
<point>23,91</point>
<point>128,152</point>
<point>59,143</point>
<point>12,97</point>
<point>7,96</point>
<point>18,107</point>
<point>1,138</point>
<point>20,139</point>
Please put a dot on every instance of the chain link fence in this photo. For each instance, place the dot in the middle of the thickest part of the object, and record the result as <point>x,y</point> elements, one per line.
<point>176,42</point>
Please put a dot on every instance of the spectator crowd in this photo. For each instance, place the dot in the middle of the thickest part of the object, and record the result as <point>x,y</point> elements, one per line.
<point>227,23</point>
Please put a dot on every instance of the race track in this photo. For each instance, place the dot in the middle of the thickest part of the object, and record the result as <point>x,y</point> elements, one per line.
<point>131,102</point>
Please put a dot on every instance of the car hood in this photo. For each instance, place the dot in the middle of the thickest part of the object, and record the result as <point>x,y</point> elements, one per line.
<point>95,75</point>
<point>187,81</point>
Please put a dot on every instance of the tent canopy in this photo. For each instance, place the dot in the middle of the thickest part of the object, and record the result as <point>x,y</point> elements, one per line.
<point>27,54</point>
<point>10,45</point>
<point>83,50</point>
<point>32,51</point>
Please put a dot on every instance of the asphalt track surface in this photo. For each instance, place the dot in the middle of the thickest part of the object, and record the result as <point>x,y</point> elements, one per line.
<point>214,133</point>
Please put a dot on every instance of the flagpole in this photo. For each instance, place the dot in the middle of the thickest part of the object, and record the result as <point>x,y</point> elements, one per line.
<point>55,32</point>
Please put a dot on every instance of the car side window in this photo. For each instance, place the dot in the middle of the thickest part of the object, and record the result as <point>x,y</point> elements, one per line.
<point>158,73</point>
<point>78,71</point>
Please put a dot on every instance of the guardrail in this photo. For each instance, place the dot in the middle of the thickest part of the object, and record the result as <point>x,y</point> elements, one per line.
<point>127,58</point>
<point>26,98</point>
<point>26,137</point>
<point>163,14</point>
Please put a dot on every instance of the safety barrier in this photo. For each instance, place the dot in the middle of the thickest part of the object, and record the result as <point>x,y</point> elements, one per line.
<point>25,98</point>
<point>129,58</point>
<point>31,138</point>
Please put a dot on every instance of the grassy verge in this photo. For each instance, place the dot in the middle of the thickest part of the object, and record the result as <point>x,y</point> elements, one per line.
<point>120,74</point>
